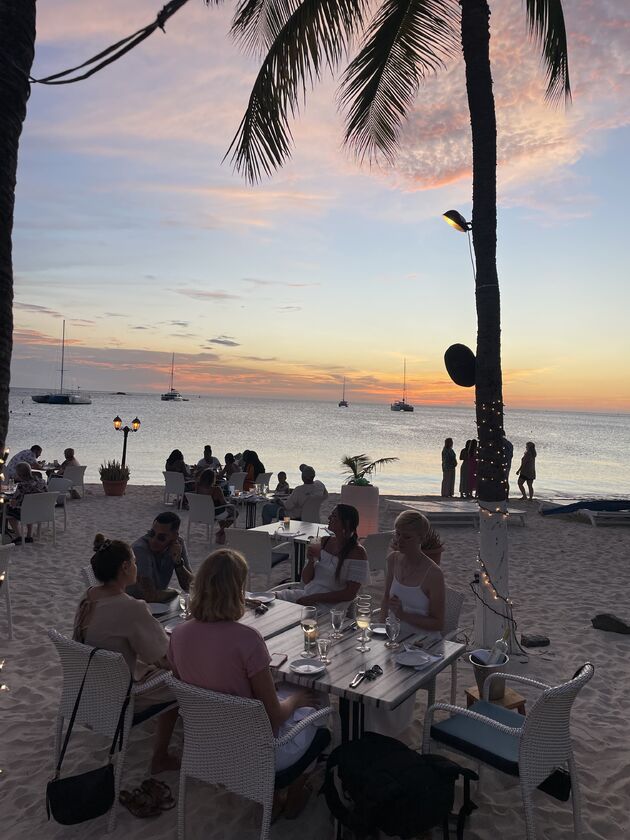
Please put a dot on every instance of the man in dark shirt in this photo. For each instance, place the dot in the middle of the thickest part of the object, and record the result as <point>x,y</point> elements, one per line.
<point>159,553</point>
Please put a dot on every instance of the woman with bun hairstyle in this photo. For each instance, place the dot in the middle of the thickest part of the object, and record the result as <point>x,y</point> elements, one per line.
<point>109,618</point>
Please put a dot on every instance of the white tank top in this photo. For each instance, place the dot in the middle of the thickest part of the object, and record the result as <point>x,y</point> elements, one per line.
<point>413,600</point>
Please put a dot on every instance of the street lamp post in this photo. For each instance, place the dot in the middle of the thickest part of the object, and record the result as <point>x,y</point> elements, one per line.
<point>135,425</point>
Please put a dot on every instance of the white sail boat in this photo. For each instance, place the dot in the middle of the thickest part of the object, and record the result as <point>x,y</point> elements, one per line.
<point>172,395</point>
<point>402,405</point>
<point>342,402</point>
<point>74,397</point>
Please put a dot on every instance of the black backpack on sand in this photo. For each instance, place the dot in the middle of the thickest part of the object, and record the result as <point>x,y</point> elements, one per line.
<point>377,783</point>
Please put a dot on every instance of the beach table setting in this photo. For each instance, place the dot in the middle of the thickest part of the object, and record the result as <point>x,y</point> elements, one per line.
<point>300,534</point>
<point>249,500</point>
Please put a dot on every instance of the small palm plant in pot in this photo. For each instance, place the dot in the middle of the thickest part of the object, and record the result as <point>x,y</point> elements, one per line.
<point>114,477</point>
<point>358,490</point>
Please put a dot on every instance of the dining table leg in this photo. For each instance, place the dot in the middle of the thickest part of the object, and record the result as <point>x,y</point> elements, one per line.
<point>299,559</point>
<point>352,715</point>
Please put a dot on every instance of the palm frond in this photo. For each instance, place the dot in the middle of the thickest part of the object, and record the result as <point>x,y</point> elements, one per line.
<point>257,23</point>
<point>407,40</point>
<point>545,20</point>
<point>315,36</point>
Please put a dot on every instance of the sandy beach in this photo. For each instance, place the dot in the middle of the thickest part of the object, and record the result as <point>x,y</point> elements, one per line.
<point>562,572</point>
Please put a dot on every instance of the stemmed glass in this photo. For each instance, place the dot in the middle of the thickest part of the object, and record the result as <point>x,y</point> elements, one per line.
<point>392,628</point>
<point>336,619</point>
<point>364,616</point>
<point>309,628</point>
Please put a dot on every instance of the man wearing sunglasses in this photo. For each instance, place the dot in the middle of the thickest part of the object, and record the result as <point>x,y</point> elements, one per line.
<point>159,553</point>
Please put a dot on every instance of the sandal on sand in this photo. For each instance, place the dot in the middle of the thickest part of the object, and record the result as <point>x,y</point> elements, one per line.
<point>160,792</point>
<point>139,803</point>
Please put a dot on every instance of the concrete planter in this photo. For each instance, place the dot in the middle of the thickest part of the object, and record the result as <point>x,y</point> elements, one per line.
<point>366,501</point>
<point>114,488</point>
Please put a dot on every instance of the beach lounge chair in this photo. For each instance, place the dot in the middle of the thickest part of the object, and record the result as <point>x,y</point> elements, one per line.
<point>174,485</point>
<point>5,588</point>
<point>257,548</point>
<point>228,741</point>
<point>77,476</point>
<point>606,517</point>
<point>63,486</point>
<point>534,748</point>
<point>200,509</point>
<point>37,508</point>
<point>103,695</point>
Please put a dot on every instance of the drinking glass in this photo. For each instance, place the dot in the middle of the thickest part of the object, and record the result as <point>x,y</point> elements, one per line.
<point>287,523</point>
<point>184,599</point>
<point>336,619</point>
<point>392,627</point>
<point>323,646</point>
<point>363,619</point>
<point>309,628</point>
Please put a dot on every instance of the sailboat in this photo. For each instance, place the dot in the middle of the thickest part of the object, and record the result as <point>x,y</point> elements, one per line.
<point>172,395</point>
<point>63,397</point>
<point>342,402</point>
<point>402,405</point>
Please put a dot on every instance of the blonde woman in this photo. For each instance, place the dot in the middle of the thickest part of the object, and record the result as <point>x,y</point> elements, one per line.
<point>414,584</point>
<point>216,652</point>
<point>527,471</point>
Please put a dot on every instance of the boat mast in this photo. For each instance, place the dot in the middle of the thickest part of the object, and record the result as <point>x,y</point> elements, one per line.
<point>404,380</point>
<point>63,349</point>
<point>343,395</point>
<point>172,369</point>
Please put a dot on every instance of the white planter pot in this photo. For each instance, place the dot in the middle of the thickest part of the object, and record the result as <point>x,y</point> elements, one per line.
<point>365,500</point>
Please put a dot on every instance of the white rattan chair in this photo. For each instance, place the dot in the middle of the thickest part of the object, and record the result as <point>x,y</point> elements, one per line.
<point>311,508</point>
<point>103,695</point>
<point>37,508</point>
<point>237,479</point>
<point>174,485</point>
<point>5,560</point>
<point>264,478</point>
<point>88,576</point>
<point>257,549</point>
<point>200,509</point>
<point>63,486</point>
<point>378,547</point>
<point>452,610</point>
<point>534,748</point>
<point>228,741</point>
<point>77,476</point>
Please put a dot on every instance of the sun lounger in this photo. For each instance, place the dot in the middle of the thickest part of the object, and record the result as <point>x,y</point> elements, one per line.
<point>606,517</point>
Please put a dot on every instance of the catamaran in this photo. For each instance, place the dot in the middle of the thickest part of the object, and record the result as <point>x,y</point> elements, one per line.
<point>402,405</point>
<point>342,402</point>
<point>172,395</point>
<point>63,397</point>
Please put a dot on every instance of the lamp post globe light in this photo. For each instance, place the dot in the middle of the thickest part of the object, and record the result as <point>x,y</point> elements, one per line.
<point>135,425</point>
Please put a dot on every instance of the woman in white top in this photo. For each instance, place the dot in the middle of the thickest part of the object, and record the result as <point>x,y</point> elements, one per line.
<point>336,567</point>
<point>414,584</point>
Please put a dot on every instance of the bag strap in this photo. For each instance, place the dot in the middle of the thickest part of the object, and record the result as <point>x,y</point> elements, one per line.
<point>468,806</point>
<point>74,714</point>
<point>118,734</point>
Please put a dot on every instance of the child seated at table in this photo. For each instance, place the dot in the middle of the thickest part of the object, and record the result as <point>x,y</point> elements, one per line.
<point>282,488</point>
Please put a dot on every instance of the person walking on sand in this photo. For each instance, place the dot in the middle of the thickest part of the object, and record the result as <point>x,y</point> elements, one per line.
<point>472,469</point>
<point>449,467</point>
<point>463,472</point>
<point>527,471</point>
<point>508,454</point>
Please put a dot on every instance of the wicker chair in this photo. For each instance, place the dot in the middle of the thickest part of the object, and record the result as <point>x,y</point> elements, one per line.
<point>63,486</point>
<point>452,610</point>
<point>228,741</point>
<point>257,548</point>
<point>174,485</point>
<point>534,748</point>
<point>103,695</point>
<point>89,578</point>
<point>200,509</point>
<point>378,547</point>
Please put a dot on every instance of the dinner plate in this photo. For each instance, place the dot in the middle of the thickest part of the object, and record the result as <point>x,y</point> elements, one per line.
<point>307,667</point>
<point>173,623</point>
<point>415,659</point>
<point>378,629</point>
<point>162,609</point>
<point>263,597</point>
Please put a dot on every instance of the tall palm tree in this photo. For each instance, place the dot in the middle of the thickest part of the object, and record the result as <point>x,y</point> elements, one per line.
<point>17,48</point>
<point>403,42</point>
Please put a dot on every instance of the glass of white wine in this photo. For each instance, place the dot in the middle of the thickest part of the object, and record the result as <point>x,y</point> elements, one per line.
<point>309,628</point>
<point>363,619</point>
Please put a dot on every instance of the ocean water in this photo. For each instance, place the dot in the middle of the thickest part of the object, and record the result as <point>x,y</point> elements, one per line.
<point>579,454</point>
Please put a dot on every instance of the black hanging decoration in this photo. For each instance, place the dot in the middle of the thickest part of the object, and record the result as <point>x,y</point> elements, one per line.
<point>461,365</point>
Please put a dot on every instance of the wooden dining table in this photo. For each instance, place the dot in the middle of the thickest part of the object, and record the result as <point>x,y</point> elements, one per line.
<point>280,617</point>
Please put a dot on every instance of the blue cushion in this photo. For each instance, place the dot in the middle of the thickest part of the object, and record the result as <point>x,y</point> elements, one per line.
<point>481,741</point>
<point>278,557</point>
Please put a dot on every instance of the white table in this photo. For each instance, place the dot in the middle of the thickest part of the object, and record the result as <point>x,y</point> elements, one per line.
<point>280,617</point>
<point>307,531</point>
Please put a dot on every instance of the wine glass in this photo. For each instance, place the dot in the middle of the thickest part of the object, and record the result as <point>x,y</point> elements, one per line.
<point>309,628</point>
<point>323,646</point>
<point>392,628</point>
<point>336,619</point>
<point>363,619</point>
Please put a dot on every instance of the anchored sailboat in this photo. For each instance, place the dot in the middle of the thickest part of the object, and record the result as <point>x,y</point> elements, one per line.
<point>172,395</point>
<point>342,402</point>
<point>63,397</point>
<point>402,405</point>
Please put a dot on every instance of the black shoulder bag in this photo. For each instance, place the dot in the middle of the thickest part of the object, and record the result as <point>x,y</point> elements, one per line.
<point>87,795</point>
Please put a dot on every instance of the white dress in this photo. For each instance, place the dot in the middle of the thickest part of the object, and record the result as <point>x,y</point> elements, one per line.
<point>324,579</point>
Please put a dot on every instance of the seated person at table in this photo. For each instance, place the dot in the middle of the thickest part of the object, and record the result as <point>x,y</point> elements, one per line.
<point>208,462</point>
<point>175,463</point>
<point>336,567</point>
<point>224,513</point>
<point>253,467</point>
<point>68,461</point>
<point>230,467</point>
<point>26,456</point>
<point>282,488</point>
<point>27,482</point>
<point>158,554</point>
<point>294,504</point>
<point>213,650</point>
<point>108,618</point>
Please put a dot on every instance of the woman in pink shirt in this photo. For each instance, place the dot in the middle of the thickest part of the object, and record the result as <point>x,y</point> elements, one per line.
<point>214,651</point>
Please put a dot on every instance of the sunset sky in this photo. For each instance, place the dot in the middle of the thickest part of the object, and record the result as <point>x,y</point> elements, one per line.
<point>129,225</point>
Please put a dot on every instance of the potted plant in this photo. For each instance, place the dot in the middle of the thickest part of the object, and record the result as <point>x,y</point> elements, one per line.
<point>114,478</point>
<point>432,545</point>
<point>359,492</point>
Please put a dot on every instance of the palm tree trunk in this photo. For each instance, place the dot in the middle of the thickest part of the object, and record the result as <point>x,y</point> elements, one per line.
<point>488,391</point>
<point>17,49</point>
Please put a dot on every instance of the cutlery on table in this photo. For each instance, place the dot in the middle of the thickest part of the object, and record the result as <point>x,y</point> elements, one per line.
<point>357,679</point>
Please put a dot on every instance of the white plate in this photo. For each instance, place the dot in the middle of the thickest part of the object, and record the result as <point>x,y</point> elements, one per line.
<point>173,623</point>
<point>307,667</point>
<point>162,609</point>
<point>263,597</point>
<point>415,659</point>
<point>378,629</point>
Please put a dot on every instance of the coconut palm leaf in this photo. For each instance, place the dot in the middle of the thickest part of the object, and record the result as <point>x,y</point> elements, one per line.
<point>545,19</point>
<point>358,466</point>
<point>407,40</point>
<point>257,23</point>
<point>315,36</point>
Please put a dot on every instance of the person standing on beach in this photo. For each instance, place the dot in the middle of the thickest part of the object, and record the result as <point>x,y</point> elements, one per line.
<point>463,472</point>
<point>449,467</point>
<point>472,469</point>
<point>527,471</point>
<point>508,454</point>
